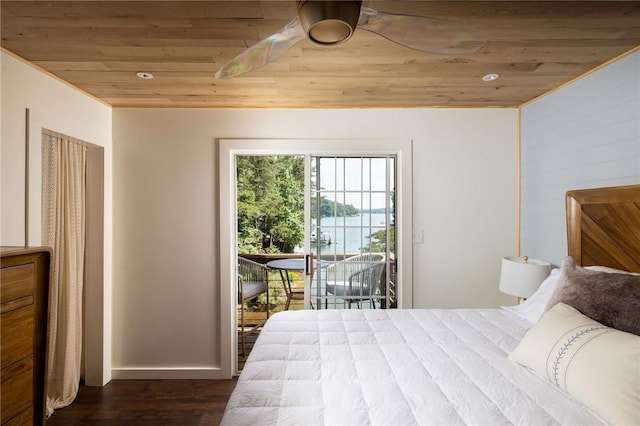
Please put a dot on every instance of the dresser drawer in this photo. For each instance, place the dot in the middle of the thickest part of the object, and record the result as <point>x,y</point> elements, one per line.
<point>17,282</point>
<point>16,390</point>
<point>16,335</point>
<point>24,303</point>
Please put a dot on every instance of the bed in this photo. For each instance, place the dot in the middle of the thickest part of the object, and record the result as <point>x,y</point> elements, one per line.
<point>468,366</point>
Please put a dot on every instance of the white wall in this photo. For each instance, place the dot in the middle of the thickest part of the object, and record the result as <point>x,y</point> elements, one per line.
<point>585,135</point>
<point>166,319</point>
<point>58,107</point>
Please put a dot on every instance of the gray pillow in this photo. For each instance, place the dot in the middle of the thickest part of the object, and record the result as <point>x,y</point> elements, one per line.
<point>612,299</point>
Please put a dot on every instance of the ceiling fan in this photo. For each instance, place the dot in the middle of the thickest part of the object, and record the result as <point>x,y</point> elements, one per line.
<point>329,22</point>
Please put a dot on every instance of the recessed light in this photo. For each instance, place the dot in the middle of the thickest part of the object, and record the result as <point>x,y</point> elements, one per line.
<point>490,77</point>
<point>145,75</point>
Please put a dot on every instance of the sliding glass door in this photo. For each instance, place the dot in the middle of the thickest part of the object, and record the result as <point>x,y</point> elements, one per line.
<point>352,231</point>
<point>341,253</point>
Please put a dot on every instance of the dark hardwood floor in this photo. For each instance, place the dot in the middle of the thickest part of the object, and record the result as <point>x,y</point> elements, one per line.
<point>148,402</point>
<point>153,402</point>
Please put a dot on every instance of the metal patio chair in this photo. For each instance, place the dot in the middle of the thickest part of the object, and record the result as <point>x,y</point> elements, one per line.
<point>357,278</point>
<point>253,280</point>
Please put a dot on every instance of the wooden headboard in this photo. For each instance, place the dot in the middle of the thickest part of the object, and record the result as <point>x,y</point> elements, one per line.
<point>603,227</point>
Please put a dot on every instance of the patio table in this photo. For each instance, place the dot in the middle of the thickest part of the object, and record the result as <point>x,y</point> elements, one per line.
<point>284,266</point>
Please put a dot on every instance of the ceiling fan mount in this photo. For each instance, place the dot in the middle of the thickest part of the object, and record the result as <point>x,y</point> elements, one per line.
<point>329,22</point>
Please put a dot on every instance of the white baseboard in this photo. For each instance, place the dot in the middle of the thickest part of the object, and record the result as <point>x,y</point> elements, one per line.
<point>166,373</point>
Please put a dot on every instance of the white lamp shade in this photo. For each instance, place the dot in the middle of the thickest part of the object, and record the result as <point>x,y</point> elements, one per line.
<point>521,276</point>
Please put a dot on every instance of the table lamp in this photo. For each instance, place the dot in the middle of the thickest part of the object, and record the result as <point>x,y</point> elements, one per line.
<point>521,276</point>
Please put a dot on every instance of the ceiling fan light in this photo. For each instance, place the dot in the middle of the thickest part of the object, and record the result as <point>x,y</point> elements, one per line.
<point>329,22</point>
<point>330,31</point>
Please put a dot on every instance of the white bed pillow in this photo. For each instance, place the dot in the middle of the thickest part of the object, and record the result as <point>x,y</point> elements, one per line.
<point>596,364</point>
<point>533,308</point>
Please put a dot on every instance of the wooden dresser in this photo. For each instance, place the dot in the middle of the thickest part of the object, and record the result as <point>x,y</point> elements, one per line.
<point>24,307</point>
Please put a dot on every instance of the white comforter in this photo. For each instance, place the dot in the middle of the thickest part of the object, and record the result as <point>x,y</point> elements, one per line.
<point>395,367</point>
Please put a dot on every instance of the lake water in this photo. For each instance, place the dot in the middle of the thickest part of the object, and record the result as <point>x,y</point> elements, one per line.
<point>349,234</point>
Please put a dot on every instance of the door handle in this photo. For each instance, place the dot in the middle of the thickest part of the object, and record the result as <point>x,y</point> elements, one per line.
<point>309,265</point>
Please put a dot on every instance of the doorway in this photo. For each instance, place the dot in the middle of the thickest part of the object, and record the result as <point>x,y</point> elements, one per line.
<point>73,193</point>
<point>396,158</point>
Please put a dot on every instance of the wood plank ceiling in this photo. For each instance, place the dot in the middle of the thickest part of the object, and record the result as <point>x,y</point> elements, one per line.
<point>98,46</point>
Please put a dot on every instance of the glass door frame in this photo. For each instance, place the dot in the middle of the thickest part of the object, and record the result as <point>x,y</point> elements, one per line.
<point>229,149</point>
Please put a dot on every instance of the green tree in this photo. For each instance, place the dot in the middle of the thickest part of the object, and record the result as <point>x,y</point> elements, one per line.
<point>378,241</point>
<point>270,203</point>
<point>330,208</point>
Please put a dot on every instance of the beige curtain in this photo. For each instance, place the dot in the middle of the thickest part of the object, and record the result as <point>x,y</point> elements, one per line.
<point>63,229</point>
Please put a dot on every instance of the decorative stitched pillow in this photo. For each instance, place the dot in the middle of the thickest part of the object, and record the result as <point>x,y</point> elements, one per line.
<point>610,298</point>
<point>596,364</point>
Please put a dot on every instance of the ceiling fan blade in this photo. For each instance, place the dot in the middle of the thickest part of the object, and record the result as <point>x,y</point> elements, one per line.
<point>263,52</point>
<point>423,33</point>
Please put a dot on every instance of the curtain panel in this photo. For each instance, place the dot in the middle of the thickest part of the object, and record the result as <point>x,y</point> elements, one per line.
<point>63,227</point>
